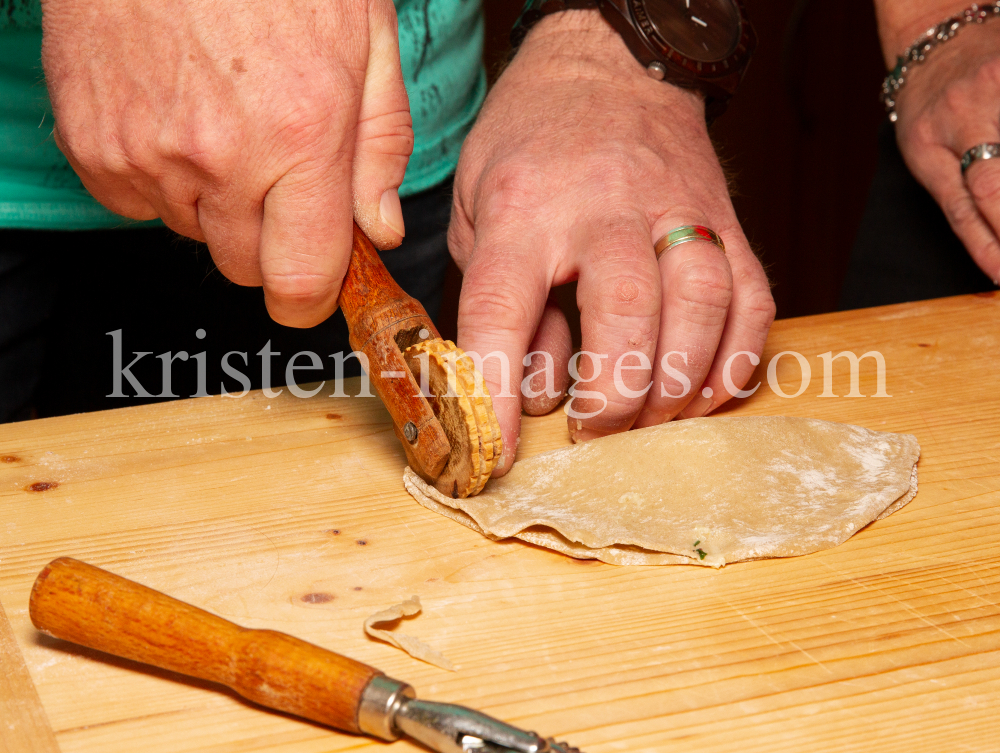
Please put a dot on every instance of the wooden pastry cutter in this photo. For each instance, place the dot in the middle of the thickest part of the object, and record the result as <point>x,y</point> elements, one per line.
<point>450,433</point>
<point>383,322</point>
<point>84,604</point>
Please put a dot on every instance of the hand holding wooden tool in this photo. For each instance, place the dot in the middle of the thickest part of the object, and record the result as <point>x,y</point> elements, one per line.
<point>84,604</point>
<point>446,423</point>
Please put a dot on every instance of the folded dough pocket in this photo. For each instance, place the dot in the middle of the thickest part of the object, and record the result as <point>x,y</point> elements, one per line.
<point>703,491</point>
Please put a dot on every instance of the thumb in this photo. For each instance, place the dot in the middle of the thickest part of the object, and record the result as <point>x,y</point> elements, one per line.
<point>385,133</point>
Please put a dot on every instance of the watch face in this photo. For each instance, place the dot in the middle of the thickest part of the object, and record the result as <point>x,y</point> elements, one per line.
<point>702,30</point>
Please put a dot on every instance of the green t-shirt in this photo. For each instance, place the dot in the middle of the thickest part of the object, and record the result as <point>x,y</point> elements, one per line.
<point>440,47</point>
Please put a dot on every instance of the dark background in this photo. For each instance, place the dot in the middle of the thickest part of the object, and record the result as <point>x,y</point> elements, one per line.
<point>799,139</point>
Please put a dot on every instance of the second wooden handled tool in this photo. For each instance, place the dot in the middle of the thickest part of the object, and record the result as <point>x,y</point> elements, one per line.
<point>445,423</point>
<point>84,604</point>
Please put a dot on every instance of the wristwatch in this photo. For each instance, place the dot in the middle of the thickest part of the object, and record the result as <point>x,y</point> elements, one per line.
<point>696,44</point>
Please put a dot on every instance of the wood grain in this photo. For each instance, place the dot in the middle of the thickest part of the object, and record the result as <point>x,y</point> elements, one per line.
<point>77,602</point>
<point>24,728</point>
<point>383,321</point>
<point>289,514</point>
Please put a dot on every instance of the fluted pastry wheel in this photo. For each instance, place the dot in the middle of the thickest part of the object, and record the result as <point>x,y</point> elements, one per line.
<point>461,402</point>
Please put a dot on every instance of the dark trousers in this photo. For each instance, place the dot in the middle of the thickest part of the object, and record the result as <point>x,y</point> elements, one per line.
<point>61,293</point>
<point>905,250</point>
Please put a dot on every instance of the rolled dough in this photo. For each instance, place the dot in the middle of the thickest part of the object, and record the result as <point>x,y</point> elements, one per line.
<point>703,491</point>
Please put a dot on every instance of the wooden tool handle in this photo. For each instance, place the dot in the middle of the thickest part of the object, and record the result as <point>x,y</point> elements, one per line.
<point>383,320</point>
<point>84,604</point>
<point>371,298</point>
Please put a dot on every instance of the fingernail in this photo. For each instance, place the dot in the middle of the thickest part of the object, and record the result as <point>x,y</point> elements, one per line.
<point>506,460</point>
<point>577,432</point>
<point>586,435</point>
<point>391,211</point>
<point>697,408</point>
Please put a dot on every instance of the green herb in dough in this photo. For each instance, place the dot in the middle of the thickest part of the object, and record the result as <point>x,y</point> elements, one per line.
<point>747,487</point>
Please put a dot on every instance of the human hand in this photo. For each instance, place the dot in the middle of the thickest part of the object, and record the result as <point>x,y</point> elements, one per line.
<point>258,128</point>
<point>949,103</point>
<point>578,163</point>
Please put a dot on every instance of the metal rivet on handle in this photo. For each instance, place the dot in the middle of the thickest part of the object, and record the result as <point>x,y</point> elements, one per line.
<point>410,432</point>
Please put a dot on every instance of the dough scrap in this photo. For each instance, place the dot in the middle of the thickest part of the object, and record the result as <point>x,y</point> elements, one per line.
<point>703,491</point>
<point>413,646</point>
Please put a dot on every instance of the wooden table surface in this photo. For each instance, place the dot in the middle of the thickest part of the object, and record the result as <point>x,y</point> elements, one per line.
<point>290,514</point>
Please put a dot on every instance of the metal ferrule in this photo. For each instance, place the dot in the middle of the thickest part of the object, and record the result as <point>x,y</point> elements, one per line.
<point>380,701</point>
<point>448,728</point>
<point>389,709</point>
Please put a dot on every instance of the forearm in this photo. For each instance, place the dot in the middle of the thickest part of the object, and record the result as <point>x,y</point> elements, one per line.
<point>581,37</point>
<point>947,106</point>
<point>900,22</point>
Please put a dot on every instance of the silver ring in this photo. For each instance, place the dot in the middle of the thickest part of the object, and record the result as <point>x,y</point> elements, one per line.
<point>985,151</point>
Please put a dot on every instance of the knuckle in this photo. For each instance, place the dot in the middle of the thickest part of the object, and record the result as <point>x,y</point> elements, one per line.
<point>235,261</point>
<point>135,153</point>
<point>989,74</point>
<point>759,309</point>
<point>613,175</point>
<point>305,115</point>
<point>959,211</point>
<point>960,97</point>
<point>704,283</point>
<point>501,305</point>
<point>389,134</point>
<point>396,143</point>
<point>509,187</point>
<point>632,294</point>
<point>924,131</point>
<point>628,284</point>
<point>209,149</point>
<point>301,127</point>
<point>85,150</point>
<point>984,183</point>
<point>298,289</point>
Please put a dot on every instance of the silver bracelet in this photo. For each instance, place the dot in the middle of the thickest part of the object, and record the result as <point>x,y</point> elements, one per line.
<point>930,39</point>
